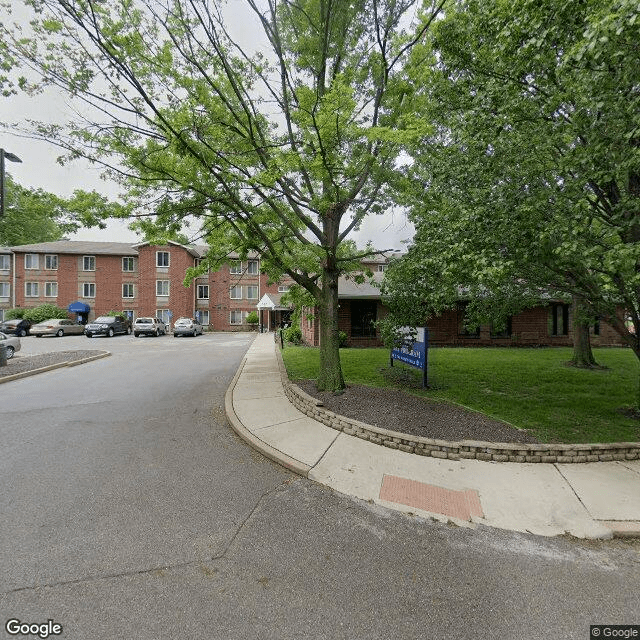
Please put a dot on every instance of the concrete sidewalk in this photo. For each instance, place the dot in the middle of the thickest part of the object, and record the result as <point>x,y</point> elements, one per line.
<point>587,500</point>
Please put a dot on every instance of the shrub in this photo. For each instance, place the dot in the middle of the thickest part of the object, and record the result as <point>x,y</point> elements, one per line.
<point>12,314</point>
<point>293,335</point>
<point>45,312</point>
<point>252,318</point>
<point>343,338</point>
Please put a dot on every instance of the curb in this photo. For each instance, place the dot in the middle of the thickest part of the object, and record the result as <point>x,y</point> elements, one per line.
<point>457,450</point>
<point>273,454</point>
<point>624,529</point>
<point>51,367</point>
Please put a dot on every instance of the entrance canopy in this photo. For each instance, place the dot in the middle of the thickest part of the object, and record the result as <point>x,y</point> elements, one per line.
<point>271,301</point>
<point>79,307</point>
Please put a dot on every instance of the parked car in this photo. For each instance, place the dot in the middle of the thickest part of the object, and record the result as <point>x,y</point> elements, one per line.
<point>149,327</point>
<point>108,326</point>
<point>18,327</point>
<point>186,327</point>
<point>11,343</point>
<point>57,327</point>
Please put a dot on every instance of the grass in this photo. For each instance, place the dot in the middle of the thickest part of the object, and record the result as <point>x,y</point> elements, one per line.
<point>531,389</point>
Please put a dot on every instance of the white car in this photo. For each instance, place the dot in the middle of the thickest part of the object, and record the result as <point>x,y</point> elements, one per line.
<point>10,343</point>
<point>149,327</point>
<point>187,327</point>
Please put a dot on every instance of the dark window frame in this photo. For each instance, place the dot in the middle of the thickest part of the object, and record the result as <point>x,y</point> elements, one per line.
<point>364,314</point>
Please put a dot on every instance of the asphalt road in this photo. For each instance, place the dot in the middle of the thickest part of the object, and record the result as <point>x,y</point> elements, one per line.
<point>130,510</point>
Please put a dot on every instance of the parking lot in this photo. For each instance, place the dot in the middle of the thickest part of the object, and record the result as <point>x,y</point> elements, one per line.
<point>30,345</point>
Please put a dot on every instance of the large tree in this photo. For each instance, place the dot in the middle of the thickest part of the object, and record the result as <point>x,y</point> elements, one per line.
<point>280,147</point>
<point>34,215</point>
<point>526,175</point>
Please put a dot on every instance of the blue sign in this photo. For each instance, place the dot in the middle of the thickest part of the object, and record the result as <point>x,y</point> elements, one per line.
<point>414,353</point>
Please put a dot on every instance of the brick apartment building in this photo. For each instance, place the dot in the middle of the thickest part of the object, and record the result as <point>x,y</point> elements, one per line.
<point>147,280</point>
<point>360,306</point>
<point>136,279</point>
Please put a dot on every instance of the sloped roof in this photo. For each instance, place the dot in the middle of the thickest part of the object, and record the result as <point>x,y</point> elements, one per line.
<point>78,246</point>
<point>348,288</point>
<point>272,301</point>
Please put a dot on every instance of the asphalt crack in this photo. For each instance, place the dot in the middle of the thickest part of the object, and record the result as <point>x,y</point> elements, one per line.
<point>158,569</point>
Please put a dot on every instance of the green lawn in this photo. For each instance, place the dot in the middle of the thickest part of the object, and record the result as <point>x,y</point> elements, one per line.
<point>529,388</point>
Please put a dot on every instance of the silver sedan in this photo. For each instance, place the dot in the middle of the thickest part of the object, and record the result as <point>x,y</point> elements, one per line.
<point>11,343</point>
<point>57,327</point>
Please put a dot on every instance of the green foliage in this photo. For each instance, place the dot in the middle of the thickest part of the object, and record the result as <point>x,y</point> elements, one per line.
<point>252,318</point>
<point>519,386</point>
<point>12,314</point>
<point>44,312</point>
<point>343,338</point>
<point>293,334</point>
<point>33,216</point>
<point>528,180</point>
<point>282,148</point>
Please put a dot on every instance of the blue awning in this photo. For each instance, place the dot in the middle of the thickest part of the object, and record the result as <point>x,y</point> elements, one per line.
<point>79,307</point>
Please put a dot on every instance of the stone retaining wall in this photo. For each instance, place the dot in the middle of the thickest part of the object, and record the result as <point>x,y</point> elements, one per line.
<point>496,451</point>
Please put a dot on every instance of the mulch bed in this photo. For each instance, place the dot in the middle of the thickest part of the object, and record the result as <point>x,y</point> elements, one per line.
<point>396,410</point>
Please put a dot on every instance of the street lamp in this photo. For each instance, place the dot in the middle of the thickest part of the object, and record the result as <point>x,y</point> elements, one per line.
<point>13,158</point>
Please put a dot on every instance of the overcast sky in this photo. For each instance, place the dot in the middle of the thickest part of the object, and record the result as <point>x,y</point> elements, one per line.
<point>40,169</point>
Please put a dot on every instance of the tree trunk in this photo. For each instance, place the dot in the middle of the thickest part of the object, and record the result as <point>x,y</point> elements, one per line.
<point>330,376</point>
<point>582,353</point>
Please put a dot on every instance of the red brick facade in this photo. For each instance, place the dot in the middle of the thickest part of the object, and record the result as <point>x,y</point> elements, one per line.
<point>532,327</point>
<point>143,280</point>
<point>147,280</point>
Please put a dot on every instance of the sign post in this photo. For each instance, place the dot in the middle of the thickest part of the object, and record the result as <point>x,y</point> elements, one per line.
<point>415,354</point>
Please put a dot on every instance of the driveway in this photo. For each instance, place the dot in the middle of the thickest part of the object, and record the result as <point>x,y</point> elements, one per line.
<point>130,510</point>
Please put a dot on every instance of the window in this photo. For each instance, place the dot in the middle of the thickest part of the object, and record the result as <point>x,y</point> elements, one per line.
<point>283,288</point>
<point>559,319</point>
<point>5,290</point>
<point>128,313</point>
<point>204,317</point>
<point>381,267</point>
<point>203,292</point>
<point>235,267</point>
<point>236,293</point>
<point>128,264</point>
<point>505,331</point>
<point>252,292</point>
<point>363,317</point>
<point>236,317</point>
<point>88,263</point>
<point>162,287</point>
<point>252,267</point>
<point>50,289</point>
<point>127,290</point>
<point>463,329</point>
<point>5,262</point>
<point>31,261</point>
<point>162,258</point>
<point>31,289</point>
<point>164,315</point>
<point>88,289</point>
<point>51,262</point>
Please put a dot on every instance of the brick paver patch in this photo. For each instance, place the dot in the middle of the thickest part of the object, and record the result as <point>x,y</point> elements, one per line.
<point>428,497</point>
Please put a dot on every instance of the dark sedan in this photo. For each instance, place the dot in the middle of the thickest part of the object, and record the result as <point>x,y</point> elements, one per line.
<point>18,327</point>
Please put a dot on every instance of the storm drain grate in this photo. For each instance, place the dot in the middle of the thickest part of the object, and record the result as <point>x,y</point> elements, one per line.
<point>428,497</point>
